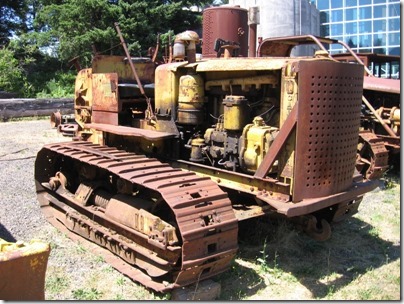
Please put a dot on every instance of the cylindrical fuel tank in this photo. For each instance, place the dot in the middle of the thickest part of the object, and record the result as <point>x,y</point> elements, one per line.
<point>225,22</point>
<point>191,99</point>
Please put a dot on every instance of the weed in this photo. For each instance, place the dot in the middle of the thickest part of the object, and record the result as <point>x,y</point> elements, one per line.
<point>86,294</point>
<point>263,259</point>
<point>56,285</point>
<point>80,248</point>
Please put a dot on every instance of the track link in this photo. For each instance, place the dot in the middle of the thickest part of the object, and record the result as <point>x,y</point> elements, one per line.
<point>203,214</point>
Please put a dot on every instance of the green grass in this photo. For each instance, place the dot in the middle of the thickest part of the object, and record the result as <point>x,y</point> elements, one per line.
<point>86,294</point>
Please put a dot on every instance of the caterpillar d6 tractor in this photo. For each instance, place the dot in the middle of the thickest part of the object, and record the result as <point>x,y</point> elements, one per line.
<point>164,168</point>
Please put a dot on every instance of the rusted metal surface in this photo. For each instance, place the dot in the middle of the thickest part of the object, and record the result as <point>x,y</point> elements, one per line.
<point>128,131</point>
<point>203,214</point>
<point>215,20</point>
<point>373,157</point>
<point>120,65</point>
<point>382,84</point>
<point>327,130</point>
<point>22,270</point>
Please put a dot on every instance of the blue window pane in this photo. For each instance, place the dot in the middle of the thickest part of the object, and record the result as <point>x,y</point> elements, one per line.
<point>351,3</point>
<point>391,1</point>
<point>352,41</point>
<point>394,39</point>
<point>394,24</point>
<point>351,14</point>
<point>336,29</point>
<point>365,12</point>
<point>379,1</point>
<point>323,4</point>
<point>379,51</point>
<point>336,3</point>
<point>365,40</point>
<point>365,27</point>
<point>379,39</point>
<point>394,10</point>
<point>379,25</point>
<point>364,2</point>
<point>336,16</point>
<point>394,51</point>
<point>379,11</point>
<point>351,28</point>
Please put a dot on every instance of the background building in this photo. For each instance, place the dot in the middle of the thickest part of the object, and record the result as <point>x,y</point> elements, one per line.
<point>284,18</point>
<point>365,25</point>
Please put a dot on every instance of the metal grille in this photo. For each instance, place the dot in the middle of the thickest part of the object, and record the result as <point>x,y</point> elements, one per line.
<point>327,127</point>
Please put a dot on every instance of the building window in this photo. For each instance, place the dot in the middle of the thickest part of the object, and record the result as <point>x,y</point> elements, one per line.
<point>336,29</point>
<point>365,41</point>
<point>379,11</point>
<point>336,16</point>
<point>379,1</point>
<point>394,10</point>
<point>349,3</point>
<point>365,27</point>
<point>379,25</point>
<point>351,28</point>
<point>336,4</point>
<point>394,38</point>
<point>379,40</point>
<point>365,2</point>
<point>323,4</point>
<point>350,14</point>
<point>365,12</point>
<point>394,24</point>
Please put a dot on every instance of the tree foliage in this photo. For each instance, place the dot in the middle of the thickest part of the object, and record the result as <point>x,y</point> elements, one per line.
<point>12,18</point>
<point>39,37</point>
<point>77,27</point>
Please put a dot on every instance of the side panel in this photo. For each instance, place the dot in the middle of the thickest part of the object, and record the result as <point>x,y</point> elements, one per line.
<point>329,108</point>
<point>105,98</point>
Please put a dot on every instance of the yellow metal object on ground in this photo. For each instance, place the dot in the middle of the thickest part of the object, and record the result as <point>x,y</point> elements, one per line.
<point>22,270</point>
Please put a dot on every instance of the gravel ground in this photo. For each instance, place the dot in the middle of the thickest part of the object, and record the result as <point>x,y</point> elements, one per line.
<point>74,272</point>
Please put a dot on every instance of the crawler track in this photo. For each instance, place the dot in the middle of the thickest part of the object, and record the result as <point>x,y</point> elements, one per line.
<point>203,215</point>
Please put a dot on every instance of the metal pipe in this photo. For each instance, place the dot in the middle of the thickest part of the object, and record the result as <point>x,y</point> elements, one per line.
<point>383,123</point>
<point>130,60</point>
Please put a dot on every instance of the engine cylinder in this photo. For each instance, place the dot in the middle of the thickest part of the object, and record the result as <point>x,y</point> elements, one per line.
<point>191,99</point>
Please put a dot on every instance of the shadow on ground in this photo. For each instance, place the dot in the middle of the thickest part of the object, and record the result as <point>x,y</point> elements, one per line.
<point>6,235</point>
<point>352,250</point>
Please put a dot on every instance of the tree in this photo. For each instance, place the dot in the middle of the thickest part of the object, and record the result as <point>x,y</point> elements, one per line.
<point>12,19</point>
<point>76,27</point>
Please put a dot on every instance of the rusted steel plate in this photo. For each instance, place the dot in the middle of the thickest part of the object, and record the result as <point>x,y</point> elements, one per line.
<point>327,128</point>
<point>105,92</point>
<point>128,131</point>
<point>381,84</point>
<point>22,270</point>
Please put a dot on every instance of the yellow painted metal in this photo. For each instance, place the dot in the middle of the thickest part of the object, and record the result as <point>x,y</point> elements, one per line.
<point>83,99</point>
<point>191,99</point>
<point>289,97</point>
<point>120,65</point>
<point>257,141</point>
<point>236,112</point>
<point>166,89</point>
<point>244,82</point>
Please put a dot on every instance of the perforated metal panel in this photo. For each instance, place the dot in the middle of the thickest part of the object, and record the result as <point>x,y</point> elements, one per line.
<point>328,121</point>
